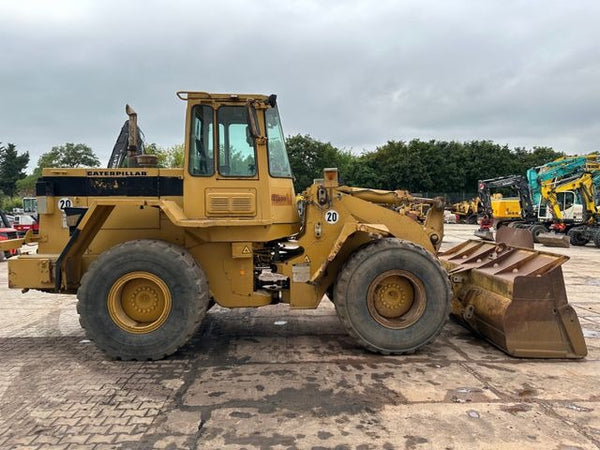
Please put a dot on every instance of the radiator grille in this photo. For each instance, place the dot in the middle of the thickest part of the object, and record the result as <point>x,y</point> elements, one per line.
<point>231,204</point>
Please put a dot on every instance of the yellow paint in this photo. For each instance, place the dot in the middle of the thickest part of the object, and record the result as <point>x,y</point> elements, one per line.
<point>506,208</point>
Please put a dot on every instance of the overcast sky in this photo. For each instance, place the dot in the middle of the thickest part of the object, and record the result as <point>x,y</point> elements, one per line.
<point>354,73</point>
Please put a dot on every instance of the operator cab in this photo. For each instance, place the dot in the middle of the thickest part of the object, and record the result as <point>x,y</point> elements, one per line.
<point>237,166</point>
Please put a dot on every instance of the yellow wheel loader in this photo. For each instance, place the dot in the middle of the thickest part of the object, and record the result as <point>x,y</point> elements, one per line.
<point>148,250</point>
<point>467,210</point>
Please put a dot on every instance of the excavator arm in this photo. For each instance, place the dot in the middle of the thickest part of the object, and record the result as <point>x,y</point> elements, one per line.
<point>559,169</point>
<point>568,234</point>
<point>583,184</point>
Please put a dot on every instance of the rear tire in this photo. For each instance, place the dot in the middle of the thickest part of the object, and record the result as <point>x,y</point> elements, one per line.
<point>392,296</point>
<point>142,299</point>
<point>536,230</point>
<point>597,238</point>
<point>577,238</point>
<point>472,219</point>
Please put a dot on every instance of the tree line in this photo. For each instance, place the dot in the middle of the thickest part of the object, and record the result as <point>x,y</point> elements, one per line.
<point>419,166</point>
<point>15,182</point>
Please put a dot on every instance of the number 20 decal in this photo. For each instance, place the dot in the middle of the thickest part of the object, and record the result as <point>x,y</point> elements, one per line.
<point>64,203</point>
<point>331,217</point>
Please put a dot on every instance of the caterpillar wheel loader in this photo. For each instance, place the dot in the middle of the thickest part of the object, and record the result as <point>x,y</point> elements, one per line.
<point>149,250</point>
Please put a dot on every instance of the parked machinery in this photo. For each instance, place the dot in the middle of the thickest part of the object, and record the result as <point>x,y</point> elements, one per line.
<point>518,212</point>
<point>577,232</point>
<point>26,218</point>
<point>561,168</point>
<point>7,232</point>
<point>467,211</point>
<point>528,209</point>
<point>149,250</point>
<point>416,210</point>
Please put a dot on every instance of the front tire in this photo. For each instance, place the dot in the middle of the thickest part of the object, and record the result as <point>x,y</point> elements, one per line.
<point>142,299</point>
<point>577,238</point>
<point>392,296</point>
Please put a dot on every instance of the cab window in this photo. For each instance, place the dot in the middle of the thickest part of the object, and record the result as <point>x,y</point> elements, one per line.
<point>279,165</point>
<point>237,155</point>
<point>201,158</point>
<point>568,199</point>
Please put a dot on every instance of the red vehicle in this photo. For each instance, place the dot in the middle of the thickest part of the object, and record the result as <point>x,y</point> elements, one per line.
<point>5,234</point>
<point>24,222</point>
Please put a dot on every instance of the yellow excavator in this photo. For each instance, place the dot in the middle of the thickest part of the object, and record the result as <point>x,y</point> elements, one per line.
<point>149,250</point>
<point>572,231</point>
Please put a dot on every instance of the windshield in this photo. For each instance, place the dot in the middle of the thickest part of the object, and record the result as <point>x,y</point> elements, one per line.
<point>279,165</point>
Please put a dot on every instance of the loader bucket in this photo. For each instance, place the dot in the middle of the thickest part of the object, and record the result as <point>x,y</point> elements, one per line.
<point>554,240</point>
<point>515,298</point>
<point>515,237</point>
<point>485,234</point>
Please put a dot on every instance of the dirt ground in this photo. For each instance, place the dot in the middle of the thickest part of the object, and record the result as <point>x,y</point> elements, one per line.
<point>276,378</point>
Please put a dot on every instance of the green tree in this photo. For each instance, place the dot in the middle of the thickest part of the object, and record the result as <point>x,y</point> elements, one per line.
<point>167,157</point>
<point>26,186</point>
<point>436,167</point>
<point>12,168</point>
<point>539,156</point>
<point>395,165</point>
<point>361,172</point>
<point>69,155</point>
<point>308,157</point>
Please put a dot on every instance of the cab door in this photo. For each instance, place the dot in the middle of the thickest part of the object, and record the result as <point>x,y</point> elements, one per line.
<point>223,176</point>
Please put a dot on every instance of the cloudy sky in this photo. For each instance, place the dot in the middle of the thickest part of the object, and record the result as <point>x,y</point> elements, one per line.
<point>354,73</point>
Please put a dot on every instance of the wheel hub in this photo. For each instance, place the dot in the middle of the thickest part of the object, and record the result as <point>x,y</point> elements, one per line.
<point>139,302</point>
<point>396,299</point>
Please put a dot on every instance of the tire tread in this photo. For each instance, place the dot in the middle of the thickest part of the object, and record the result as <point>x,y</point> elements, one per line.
<point>173,253</point>
<point>347,271</point>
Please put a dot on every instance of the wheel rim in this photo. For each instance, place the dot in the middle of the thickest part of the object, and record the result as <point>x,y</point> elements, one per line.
<point>396,299</point>
<point>139,302</point>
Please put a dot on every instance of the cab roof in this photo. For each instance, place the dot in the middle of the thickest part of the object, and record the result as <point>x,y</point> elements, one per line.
<point>197,95</point>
